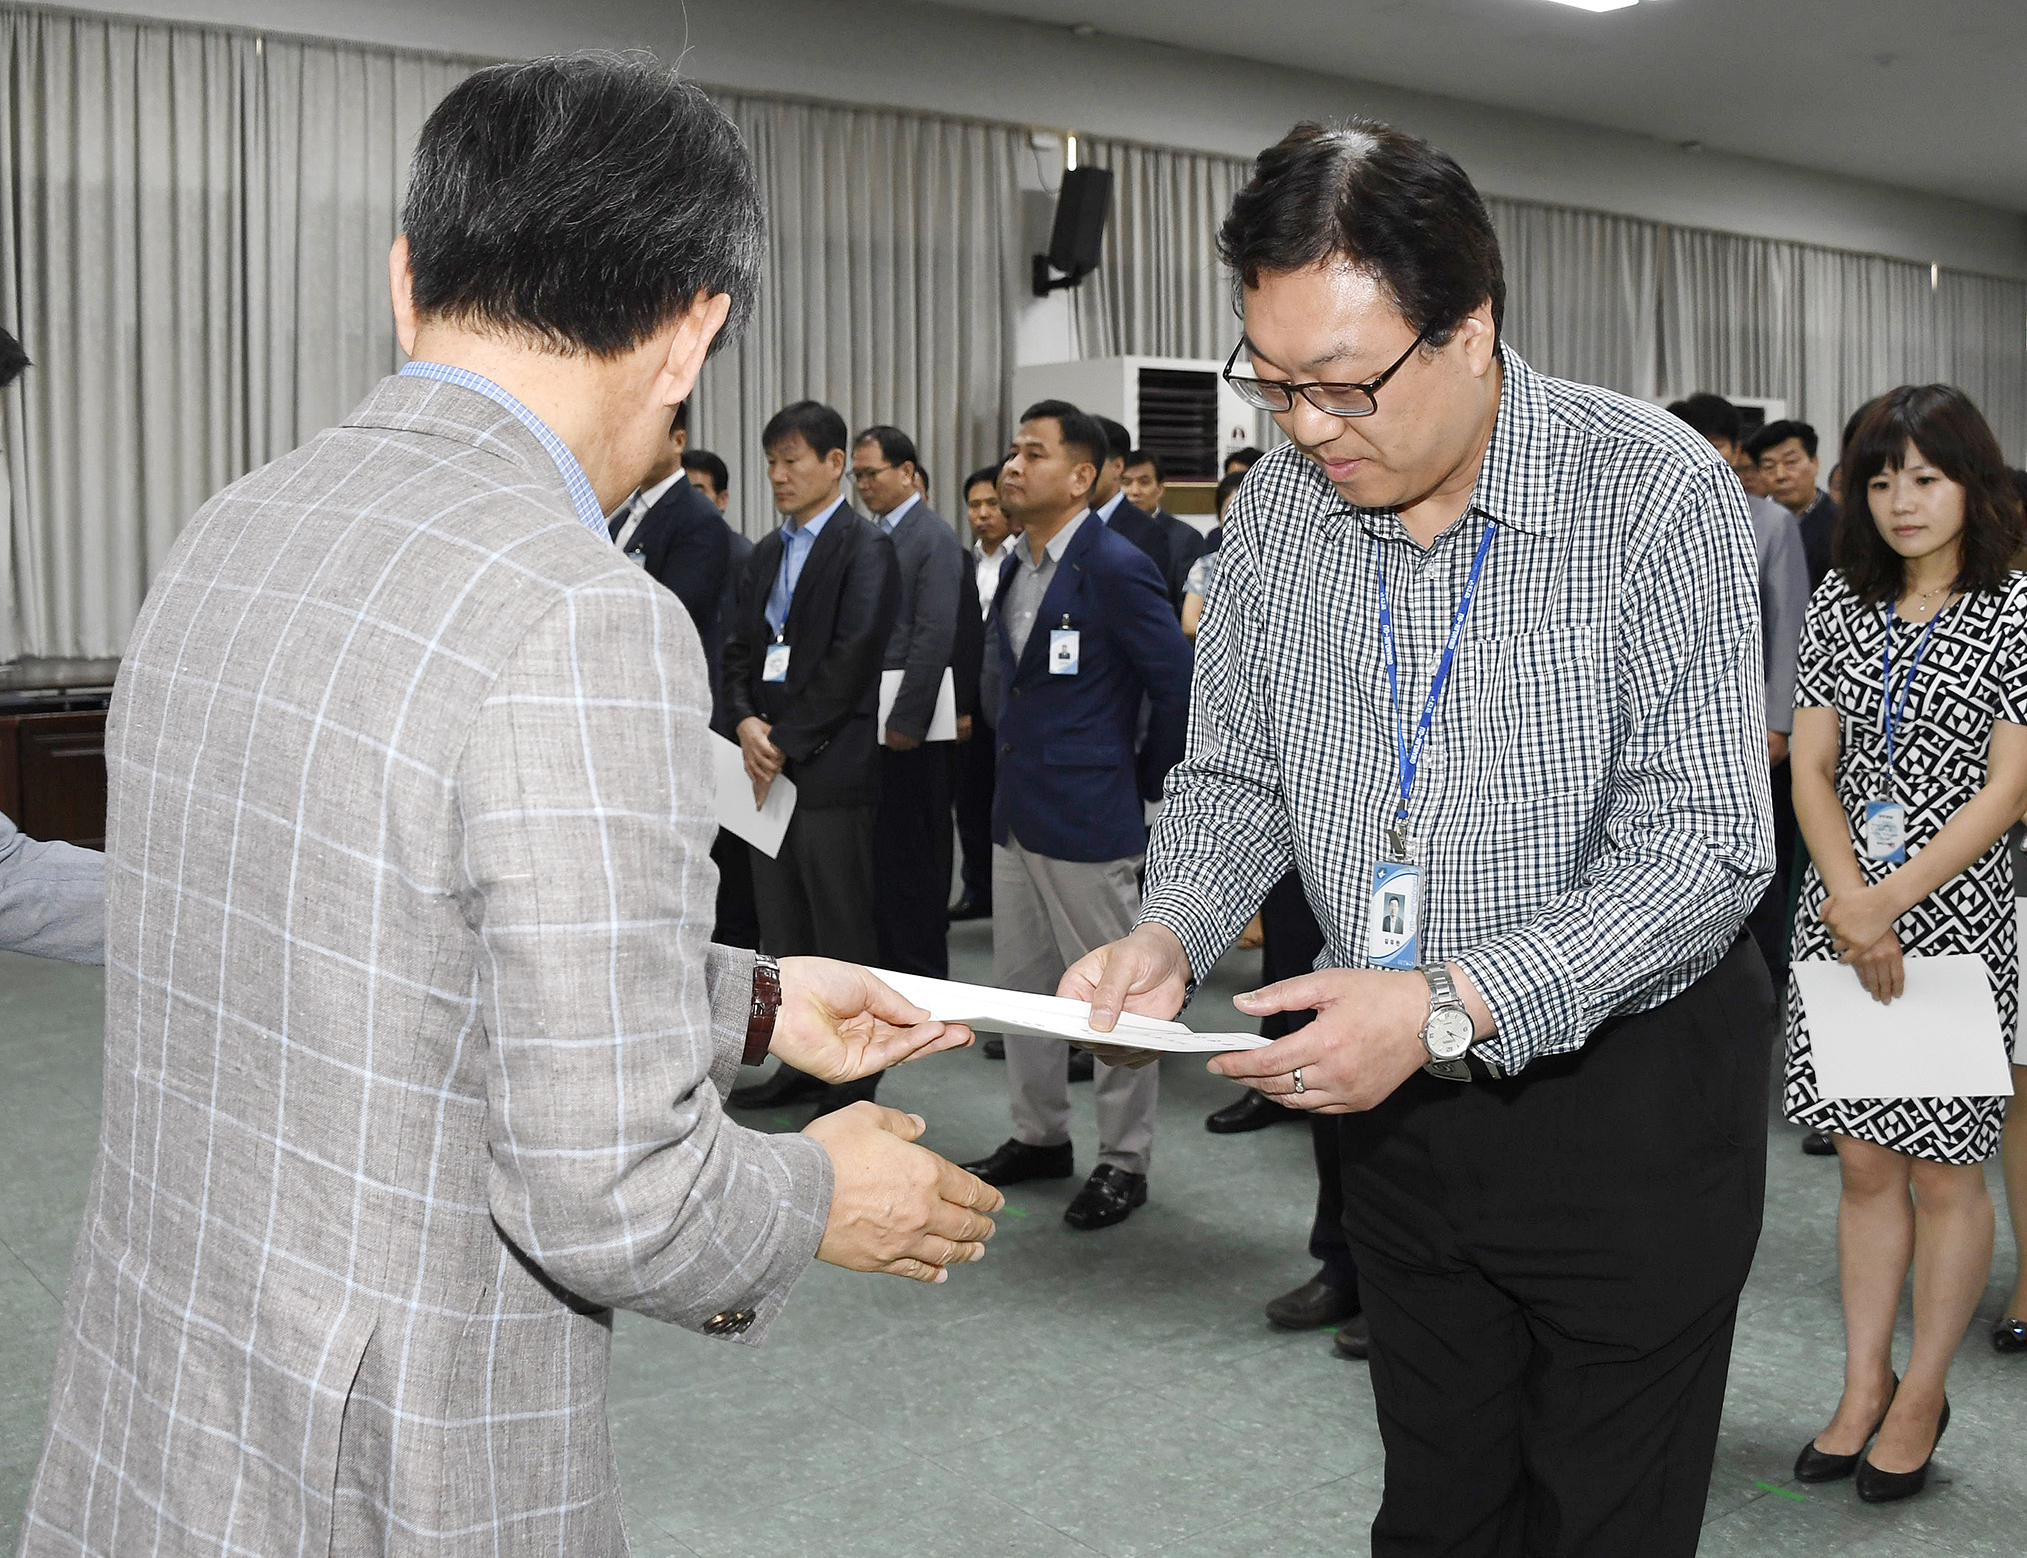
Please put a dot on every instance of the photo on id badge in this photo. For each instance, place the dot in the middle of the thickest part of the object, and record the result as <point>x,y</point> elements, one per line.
<point>1394,917</point>
<point>1063,650</point>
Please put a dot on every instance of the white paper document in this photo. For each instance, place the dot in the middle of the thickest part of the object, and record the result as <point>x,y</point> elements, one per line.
<point>762,827</point>
<point>942,724</point>
<point>1052,1017</point>
<point>1939,1040</point>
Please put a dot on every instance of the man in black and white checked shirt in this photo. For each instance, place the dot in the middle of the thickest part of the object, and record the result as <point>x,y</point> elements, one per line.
<point>1552,1229</point>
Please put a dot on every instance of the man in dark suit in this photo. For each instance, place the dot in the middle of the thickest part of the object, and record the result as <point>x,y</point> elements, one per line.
<point>802,678</point>
<point>1145,485</point>
<point>738,923</point>
<point>1785,452</point>
<point>991,546</point>
<point>1110,503</point>
<point>1084,633</point>
<point>678,535</point>
<point>911,830</point>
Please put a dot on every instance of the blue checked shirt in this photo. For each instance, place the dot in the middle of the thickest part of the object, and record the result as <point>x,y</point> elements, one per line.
<point>797,542</point>
<point>1592,809</point>
<point>575,482</point>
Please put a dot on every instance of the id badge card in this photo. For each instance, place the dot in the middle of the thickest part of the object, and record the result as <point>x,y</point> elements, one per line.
<point>1062,651</point>
<point>1886,831</point>
<point>774,668</point>
<point>1393,935</point>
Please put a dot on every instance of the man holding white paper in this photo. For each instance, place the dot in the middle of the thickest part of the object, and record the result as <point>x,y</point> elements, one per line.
<point>1910,763</point>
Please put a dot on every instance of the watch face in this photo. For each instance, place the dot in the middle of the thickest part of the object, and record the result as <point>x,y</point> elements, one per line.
<point>1448,1034</point>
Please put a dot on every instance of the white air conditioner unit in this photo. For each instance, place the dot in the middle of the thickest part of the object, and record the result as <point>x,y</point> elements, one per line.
<point>1178,407</point>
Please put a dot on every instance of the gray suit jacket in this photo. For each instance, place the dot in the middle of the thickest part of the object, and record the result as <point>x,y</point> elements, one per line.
<point>52,897</point>
<point>924,636</point>
<point>1784,602</point>
<point>414,1042</point>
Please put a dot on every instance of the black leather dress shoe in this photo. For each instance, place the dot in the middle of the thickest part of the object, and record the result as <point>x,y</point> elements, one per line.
<point>1312,1306</point>
<point>2010,1335</point>
<point>1109,1196</point>
<point>971,907</point>
<point>994,1048</point>
<point>1883,1487</point>
<point>1250,1111</point>
<point>1817,1144</point>
<point>1082,1067</point>
<point>1354,1340</point>
<point>1814,1465</point>
<point>786,1086</point>
<point>1013,1162</point>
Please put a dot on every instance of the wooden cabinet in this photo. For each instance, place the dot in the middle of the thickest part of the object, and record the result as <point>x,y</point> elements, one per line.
<point>53,766</point>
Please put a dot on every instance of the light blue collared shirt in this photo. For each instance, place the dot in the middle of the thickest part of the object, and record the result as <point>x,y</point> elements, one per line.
<point>1109,507</point>
<point>796,545</point>
<point>891,522</point>
<point>575,482</point>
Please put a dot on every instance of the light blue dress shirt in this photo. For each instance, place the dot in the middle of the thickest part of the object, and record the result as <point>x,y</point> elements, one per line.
<point>575,482</point>
<point>1110,506</point>
<point>796,545</point>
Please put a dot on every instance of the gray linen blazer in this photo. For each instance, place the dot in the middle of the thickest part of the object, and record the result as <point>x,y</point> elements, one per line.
<point>414,1042</point>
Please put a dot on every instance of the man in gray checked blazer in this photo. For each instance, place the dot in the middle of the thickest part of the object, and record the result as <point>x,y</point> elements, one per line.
<point>414,1041</point>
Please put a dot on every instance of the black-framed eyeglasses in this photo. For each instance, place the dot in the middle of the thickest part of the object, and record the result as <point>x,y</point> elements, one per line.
<point>865,473</point>
<point>1337,400</point>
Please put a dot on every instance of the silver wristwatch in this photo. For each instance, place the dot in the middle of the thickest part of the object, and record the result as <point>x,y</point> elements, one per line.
<point>1448,1033</point>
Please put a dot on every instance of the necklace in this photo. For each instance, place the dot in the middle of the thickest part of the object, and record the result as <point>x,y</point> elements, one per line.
<point>1917,604</point>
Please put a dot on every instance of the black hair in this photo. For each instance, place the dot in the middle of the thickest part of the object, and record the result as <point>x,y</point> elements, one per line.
<point>12,359</point>
<point>1118,442</point>
<point>1247,457</point>
<point>989,474</point>
<point>1779,433</point>
<point>713,467</point>
<point>1950,433</point>
<point>680,423</point>
<point>1711,415</point>
<point>896,447</point>
<point>817,424</point>
<point>1146,457</point>
<point>1388,202</point>
<point>1228,484</point>
<point>922,474</point>
<point>583,200</point>
<point>1081,432</point>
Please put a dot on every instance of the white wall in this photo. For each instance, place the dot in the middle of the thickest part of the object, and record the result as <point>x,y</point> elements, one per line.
<point>905,54</point>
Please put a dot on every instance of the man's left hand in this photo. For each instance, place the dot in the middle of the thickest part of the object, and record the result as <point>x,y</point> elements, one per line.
<point>1365,1042</point>
<point>839,1023</point>
<point>901,743</point>
<point>964,727</point>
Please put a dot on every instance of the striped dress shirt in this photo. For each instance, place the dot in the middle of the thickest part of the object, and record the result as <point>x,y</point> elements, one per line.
<point>1592,809</point>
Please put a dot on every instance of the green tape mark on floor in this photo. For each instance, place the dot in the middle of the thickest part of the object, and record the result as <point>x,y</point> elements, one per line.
<point>1013,1211</point>
<point>781,1119</point>
<point>1781,1492</point>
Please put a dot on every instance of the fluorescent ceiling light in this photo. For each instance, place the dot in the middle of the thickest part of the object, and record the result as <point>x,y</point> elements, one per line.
<point>1597,5</point>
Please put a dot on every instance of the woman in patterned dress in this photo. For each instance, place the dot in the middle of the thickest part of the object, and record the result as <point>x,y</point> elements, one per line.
<point>1923,581</point>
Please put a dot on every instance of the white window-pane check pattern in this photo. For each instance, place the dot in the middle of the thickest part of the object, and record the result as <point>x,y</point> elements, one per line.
<point>1592,807</point>
<point>413,1040</point>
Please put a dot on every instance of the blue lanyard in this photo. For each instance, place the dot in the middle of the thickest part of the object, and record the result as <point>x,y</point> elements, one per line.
<point>1890,708</point>
<point>1409,757</point>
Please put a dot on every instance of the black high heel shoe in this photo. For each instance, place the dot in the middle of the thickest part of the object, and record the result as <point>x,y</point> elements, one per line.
<point>2010,1335</point>
<point>1814,1465</point>
<point>1883,1487</point>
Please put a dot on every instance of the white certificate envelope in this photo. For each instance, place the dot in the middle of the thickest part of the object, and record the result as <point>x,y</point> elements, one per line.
<point>1940,1039</point>
<point>942,724</point>
<point>761,827</point>
<point>1052,1017</point>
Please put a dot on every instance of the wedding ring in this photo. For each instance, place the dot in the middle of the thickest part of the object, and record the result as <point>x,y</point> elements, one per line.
<point>1298,1081</point>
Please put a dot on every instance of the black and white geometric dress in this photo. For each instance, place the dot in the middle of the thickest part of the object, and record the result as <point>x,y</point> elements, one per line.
<point>1974,673</point>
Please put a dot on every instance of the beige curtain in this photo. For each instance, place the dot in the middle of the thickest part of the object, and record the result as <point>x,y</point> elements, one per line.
<point>1580,293</point>
<point>193,235</point>
<point>892,277</point>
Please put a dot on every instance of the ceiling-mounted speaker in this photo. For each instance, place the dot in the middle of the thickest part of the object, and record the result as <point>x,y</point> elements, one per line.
<point>1078,238</point>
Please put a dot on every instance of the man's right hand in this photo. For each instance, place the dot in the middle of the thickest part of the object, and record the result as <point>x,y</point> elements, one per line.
<point>764,760</point>
<point>1146,973</point>
<point>897,1207</point>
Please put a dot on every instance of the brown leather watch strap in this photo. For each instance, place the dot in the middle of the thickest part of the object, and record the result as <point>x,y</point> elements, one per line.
<point>766,1002</point>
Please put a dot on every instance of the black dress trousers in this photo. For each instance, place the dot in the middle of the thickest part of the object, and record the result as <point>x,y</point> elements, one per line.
<point>911,860</point>
<point>1770,923</point>
<point>976,770</point>
<point>1551,1265</point>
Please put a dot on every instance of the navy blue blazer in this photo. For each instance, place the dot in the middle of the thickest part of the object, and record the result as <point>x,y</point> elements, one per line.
<point>1069,783</point>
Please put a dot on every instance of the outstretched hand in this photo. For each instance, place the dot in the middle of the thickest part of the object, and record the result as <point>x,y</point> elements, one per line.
<point>896,1207</point>
<point>839,1023</point>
